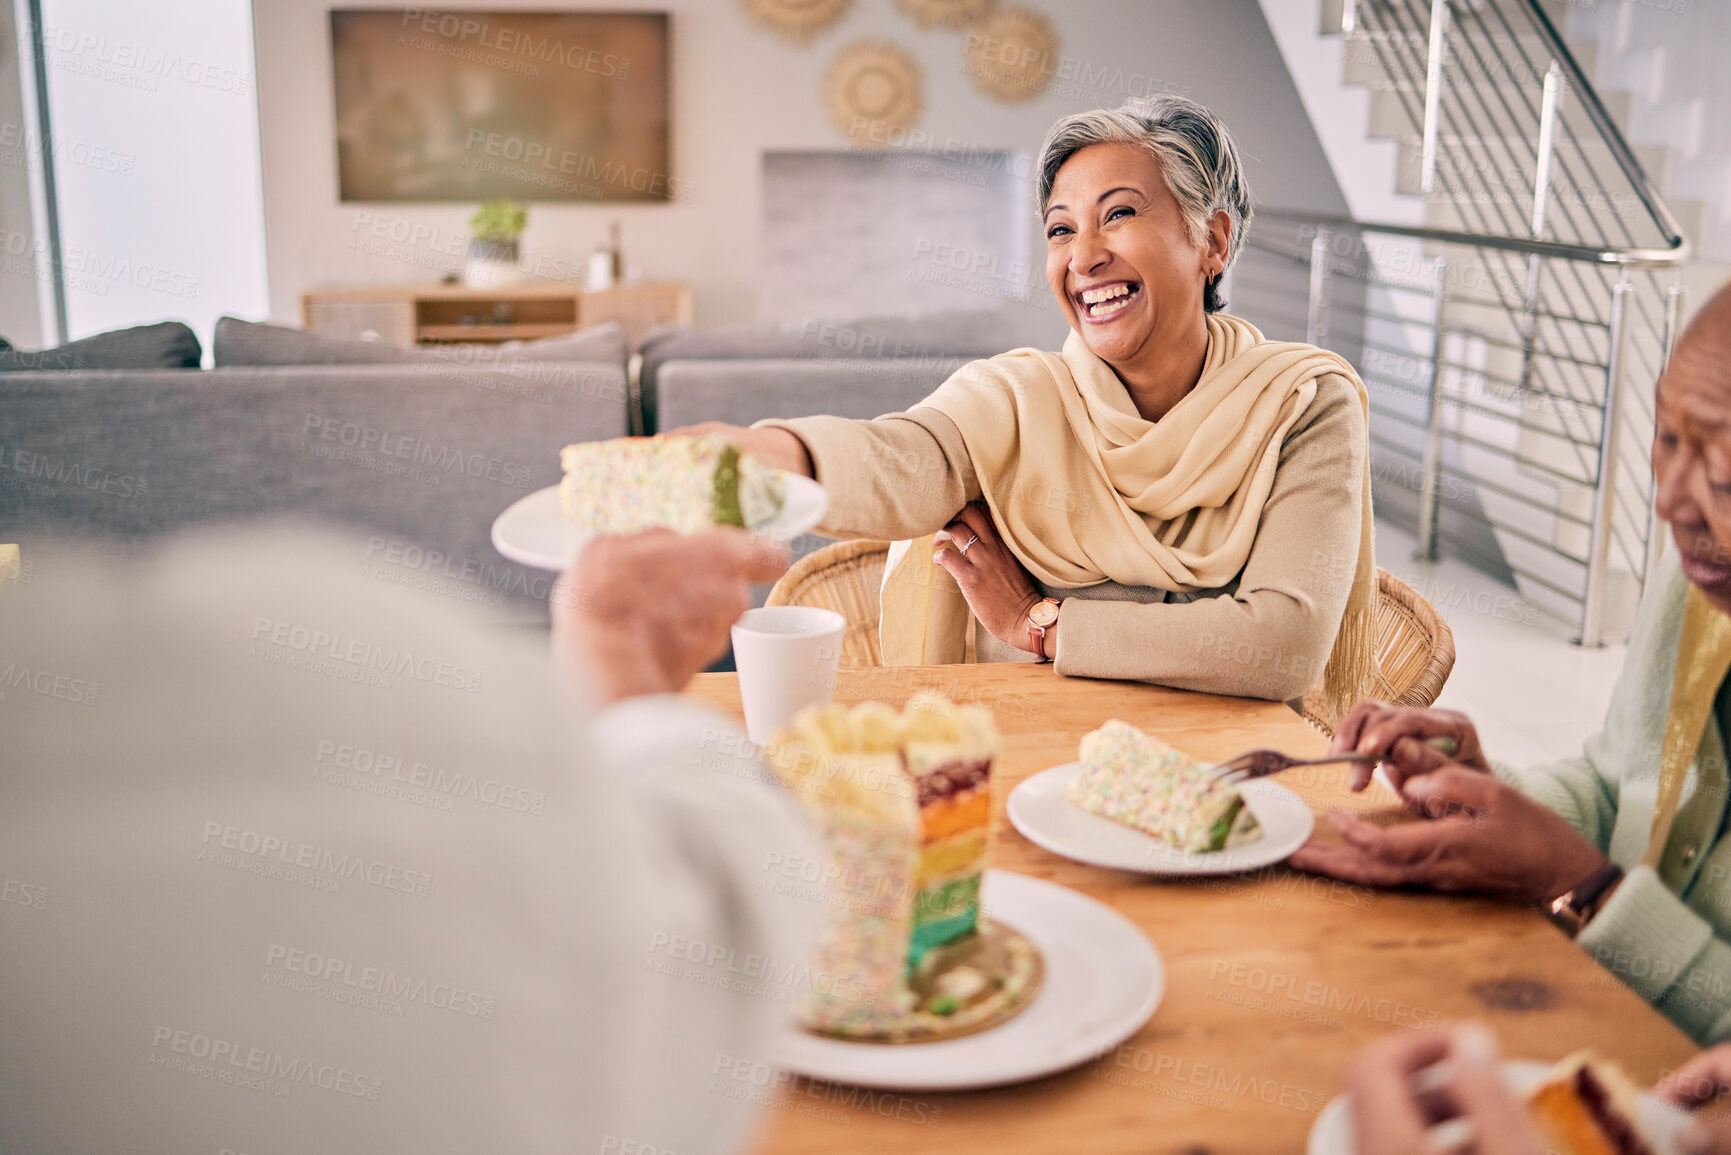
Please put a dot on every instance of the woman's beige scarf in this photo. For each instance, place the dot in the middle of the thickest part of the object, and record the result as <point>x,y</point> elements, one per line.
<point>1085,490</point>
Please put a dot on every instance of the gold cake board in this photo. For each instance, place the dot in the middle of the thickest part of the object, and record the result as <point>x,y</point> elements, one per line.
<point>999,951</point>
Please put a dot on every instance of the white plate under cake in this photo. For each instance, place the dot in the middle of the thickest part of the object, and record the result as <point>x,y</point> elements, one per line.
<point>1103,980</point>
<point>1039,808</point>
<point>686,484</point>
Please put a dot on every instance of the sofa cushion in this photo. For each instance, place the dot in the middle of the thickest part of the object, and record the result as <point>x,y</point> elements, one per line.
<point>914,341</point>
<point>603,342</point>
<point>239,342</point>
<point>164,345</point>
<point>975,333</point>
<point>256,343</point>
<point>742,392</point>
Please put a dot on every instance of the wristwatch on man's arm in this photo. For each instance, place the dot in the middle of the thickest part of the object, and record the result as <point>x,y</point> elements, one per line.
<point>1574,910</point>
<point>1042,616</point>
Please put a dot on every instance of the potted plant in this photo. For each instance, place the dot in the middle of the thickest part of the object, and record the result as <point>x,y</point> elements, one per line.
<point>493,234</point>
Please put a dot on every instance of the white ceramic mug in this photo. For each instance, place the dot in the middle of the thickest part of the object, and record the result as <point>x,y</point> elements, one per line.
<point>787,657</point>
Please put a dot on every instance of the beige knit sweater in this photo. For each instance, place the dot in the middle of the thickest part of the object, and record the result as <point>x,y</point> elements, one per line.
<point>1266,635</point>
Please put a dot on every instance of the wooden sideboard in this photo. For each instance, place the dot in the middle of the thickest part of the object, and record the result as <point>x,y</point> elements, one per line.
<point>426,314</point>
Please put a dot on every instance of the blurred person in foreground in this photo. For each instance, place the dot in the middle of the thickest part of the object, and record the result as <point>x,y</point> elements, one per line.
<point>296,862</point>
<point>1625,843</point>
<point>1391,1117</point>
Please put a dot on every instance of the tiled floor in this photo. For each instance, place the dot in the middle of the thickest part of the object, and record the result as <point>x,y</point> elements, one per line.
<point>1532,694</point>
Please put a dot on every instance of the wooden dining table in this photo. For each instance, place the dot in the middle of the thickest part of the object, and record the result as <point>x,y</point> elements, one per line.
<point>1275,979</point>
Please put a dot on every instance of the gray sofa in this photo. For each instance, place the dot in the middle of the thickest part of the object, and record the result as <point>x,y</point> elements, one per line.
<point>419,458</point>
<point>859,368</point>
<point>419,451</point>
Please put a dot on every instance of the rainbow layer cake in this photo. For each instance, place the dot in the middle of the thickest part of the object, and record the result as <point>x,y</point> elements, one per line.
<point>903,803</point>
<point>1140,781</point>
<point>686,484</point>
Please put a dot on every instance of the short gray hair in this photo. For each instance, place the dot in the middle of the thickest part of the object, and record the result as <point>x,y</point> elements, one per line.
<point>1197,156</point>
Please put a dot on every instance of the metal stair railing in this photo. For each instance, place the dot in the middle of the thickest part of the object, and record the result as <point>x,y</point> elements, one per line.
<point>1539,310</point>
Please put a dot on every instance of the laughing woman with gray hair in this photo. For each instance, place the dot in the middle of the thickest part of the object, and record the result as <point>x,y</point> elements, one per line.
<point>1171,498</point>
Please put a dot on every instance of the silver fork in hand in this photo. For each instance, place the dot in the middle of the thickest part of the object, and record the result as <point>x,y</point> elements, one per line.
<point>1262,763</point>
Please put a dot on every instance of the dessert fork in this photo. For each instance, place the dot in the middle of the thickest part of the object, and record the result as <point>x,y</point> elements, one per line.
<point>1262,763</point>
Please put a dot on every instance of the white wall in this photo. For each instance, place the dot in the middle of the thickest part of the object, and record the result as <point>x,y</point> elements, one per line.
<point>919,238</point>
<point>739,90</point>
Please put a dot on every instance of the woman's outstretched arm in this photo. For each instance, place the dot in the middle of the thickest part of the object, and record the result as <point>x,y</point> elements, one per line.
<point>900,476</point>
<point>897,476</point>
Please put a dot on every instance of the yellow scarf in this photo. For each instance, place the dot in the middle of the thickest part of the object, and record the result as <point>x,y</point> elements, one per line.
<point>1703,660</point>
<point>1085,490</point>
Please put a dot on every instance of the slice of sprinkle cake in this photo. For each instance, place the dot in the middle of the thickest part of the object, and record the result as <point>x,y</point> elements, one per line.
<point>1138,780</point>
<point>686,484</point>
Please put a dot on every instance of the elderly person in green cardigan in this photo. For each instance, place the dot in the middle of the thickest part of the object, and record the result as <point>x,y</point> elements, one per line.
<point>1626,842</point>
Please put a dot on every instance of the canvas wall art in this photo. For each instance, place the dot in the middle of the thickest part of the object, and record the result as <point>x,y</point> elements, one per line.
<point>467,106</point>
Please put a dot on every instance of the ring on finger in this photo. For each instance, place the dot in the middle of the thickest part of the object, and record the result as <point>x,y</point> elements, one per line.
<point>968,543</point>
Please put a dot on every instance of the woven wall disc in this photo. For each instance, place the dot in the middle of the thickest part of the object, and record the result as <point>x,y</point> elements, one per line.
<point>945,13</point>
<point>798,20</point>
<point>871,88</point>
<point>1012,54</point>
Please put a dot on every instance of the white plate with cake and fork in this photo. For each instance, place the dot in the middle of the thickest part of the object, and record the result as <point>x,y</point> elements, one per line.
<point>1134,803</point>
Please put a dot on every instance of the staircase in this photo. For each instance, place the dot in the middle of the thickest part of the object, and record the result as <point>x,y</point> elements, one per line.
<point>1659,67</point>
<point>1511,305</point>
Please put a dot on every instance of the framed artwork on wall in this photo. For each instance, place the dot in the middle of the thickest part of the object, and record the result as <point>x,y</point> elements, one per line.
<point>469,106</point>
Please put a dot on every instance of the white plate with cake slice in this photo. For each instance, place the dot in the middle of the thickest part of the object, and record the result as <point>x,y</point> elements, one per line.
<point>1041,810</point>
<point>1103,978</point>
<point>534,532</point>
<point>1659,1122</point>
